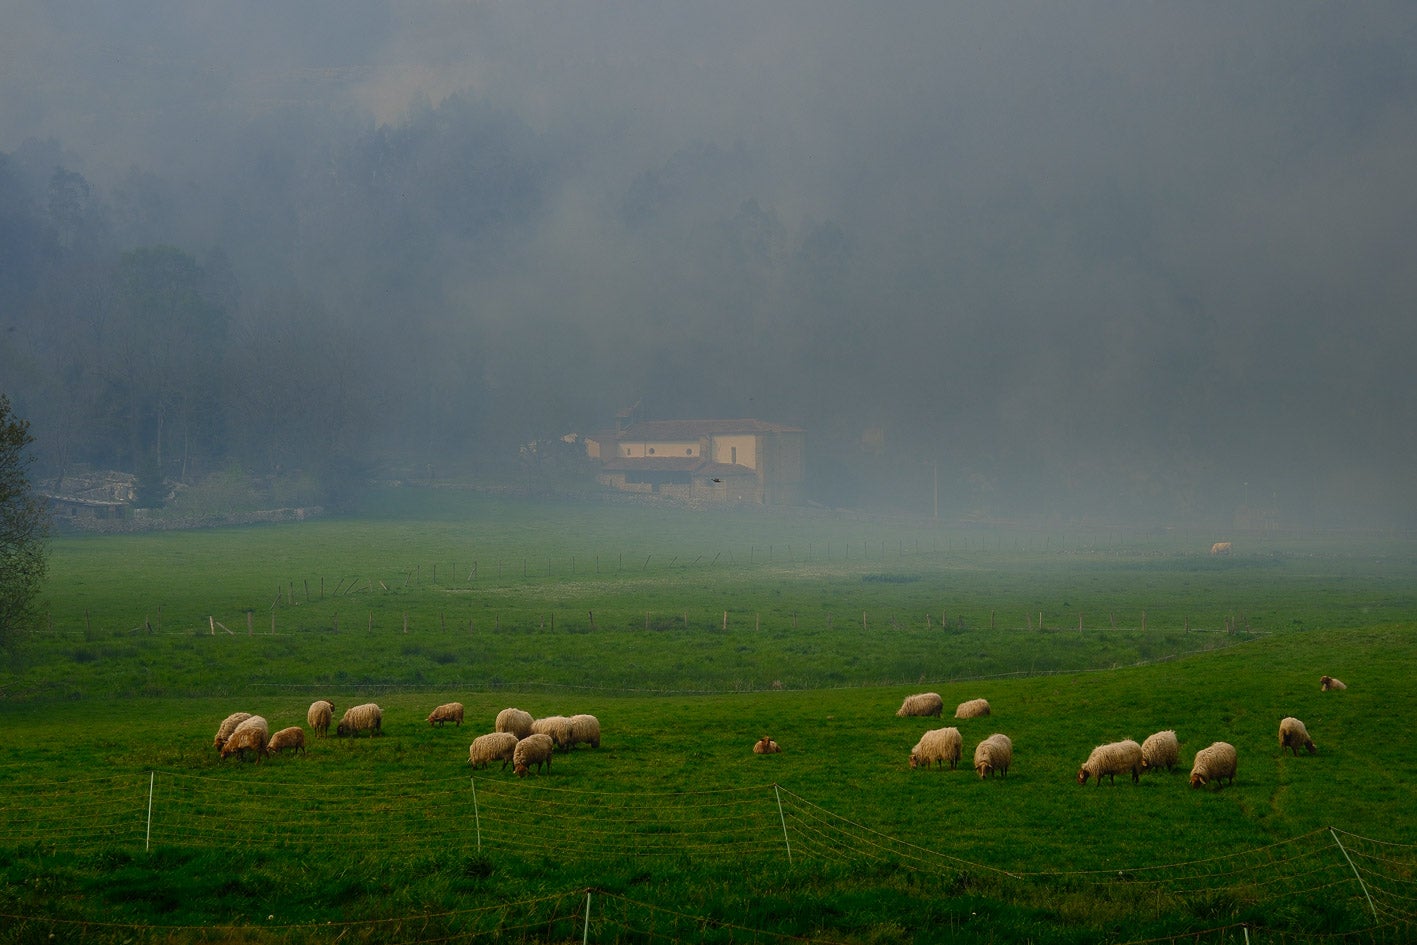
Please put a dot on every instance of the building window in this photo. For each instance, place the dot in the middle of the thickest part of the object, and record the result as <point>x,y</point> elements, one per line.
<point>651,451</point>
<point>689,451</point>
<point>733,455</point>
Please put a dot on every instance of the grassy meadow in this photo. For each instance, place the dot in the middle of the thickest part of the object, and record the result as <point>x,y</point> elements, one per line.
<point>689,634</point>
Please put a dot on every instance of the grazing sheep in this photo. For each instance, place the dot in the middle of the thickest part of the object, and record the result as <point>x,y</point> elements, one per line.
<point>227,726</point>
<point>1293,735</point>
<point>360,718</point>
<point>449,712</point>
<point>558,727</point>
<point>973,709</point>
<point>253,733</point>
<point>1220,548</point>
<point>1160,750</point>
<point>585,729</point>
<point>993,754</point>
<point>494,746</point>
<point>1216,762</point>
<point>936,747</point>
<point>535,749</point>
<point>1327,683</point>
<point>515,721</point>
<point>322,712</point>
<point>1111,760</point>
<point>922,703</point>
<point>293,737</point>
<point>766,746</point>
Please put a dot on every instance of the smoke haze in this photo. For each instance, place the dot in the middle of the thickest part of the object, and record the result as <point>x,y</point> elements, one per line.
<point>1131,261</point>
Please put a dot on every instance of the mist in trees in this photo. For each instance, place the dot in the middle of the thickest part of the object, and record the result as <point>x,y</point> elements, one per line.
<point>1145,266</point>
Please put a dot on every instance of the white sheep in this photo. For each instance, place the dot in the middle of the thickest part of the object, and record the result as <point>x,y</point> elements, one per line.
<point>558,727</point>
<point>995,753</point>
<point>321,713</point>
<point>1160,750</point>
<point>252,733</point>
<point>448,712</point>
<point>1216,762</point>
<point>494,746</point>
<point>1293,735</point>
<point>1328,683</point>
<point>367,717</point>
<point>515,721</point>
<point>227,726</point>
<point>973,709</point>
<point>1111,760</point>
<point>922,703</point>
<point>585,730</point>
<point>292,737</point>
<point>766,746</point>
<point>936,747</point>
<point>535,749</point>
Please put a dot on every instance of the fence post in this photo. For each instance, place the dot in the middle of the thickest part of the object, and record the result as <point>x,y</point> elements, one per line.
<point>585,931</point>
<point>782,817</point>
<point>148,840</point>
<point>476,820</point>
<point>1361,885</point>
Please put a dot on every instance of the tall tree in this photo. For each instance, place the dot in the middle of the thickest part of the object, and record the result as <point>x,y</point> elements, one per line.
<point>24,526</point>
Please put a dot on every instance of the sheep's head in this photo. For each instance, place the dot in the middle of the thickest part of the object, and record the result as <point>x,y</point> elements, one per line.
<point>520,769</point>
<point>984,768</point>
<point>1197,779</point>
<point>1083,775</point>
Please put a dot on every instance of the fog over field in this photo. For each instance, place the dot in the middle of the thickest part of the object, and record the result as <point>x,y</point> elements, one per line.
<point>1122,261</point>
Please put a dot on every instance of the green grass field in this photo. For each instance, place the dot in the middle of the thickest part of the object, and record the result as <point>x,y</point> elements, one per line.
<point>689,635</point>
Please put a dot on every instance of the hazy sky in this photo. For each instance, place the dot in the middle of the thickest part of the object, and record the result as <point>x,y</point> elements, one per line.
<point>1166,243</point>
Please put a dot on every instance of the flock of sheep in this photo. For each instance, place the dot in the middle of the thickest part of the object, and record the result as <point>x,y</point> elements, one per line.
<point>518,739</point>
<point>1217,762</point>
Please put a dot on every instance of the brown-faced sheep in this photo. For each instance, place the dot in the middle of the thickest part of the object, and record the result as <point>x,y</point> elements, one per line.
<point>449,712</point>
<point>292,737</point>
<point>1160,750</point>
<point>515,721</point>
<point>973,709</point>
<point>253,734</point>
<point>1220,548</point>
<point>361,718</point>
<point>1111,760</point>
<point>1214,763</point>
<point>494,746</point>
<point>994,754</point>
<point>558,727</point>
<point>1329,684</point>
<point>1293,735</point>
<point>936,747</point>
<point>227,726</point>
<point>535,749</point>
<point>321,713</point>
<point>922,703</point>
<point>766,746</point>
<point>585,730</point>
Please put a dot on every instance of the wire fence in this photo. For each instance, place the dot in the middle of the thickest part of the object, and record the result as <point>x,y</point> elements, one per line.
<point>756,824</point>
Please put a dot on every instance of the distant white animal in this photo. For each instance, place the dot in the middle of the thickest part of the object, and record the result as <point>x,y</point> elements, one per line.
<point>1220,548</point>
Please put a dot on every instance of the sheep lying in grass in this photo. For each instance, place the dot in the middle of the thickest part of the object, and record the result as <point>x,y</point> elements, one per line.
<point>1216,762</point>
<point>449,712</point>
<point>1328,683</point>
<point>253,734</point>
<point>766,746</point>
<point>515,721</point>
<point>585,730</point>
<point>322,712</point>
<point>535,749</point>
<point>922,703</point>
<point>973,709</point>
<point>1293,735</point>
<point>1111,760</point>
<point>558,727</point>
<point>1160,750</point>
<point>494,746</point>
<point>227,726</point>
<point>994,754</point>
<point>367,717</point>
<point>292,737</point>
<point>936,747</point>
